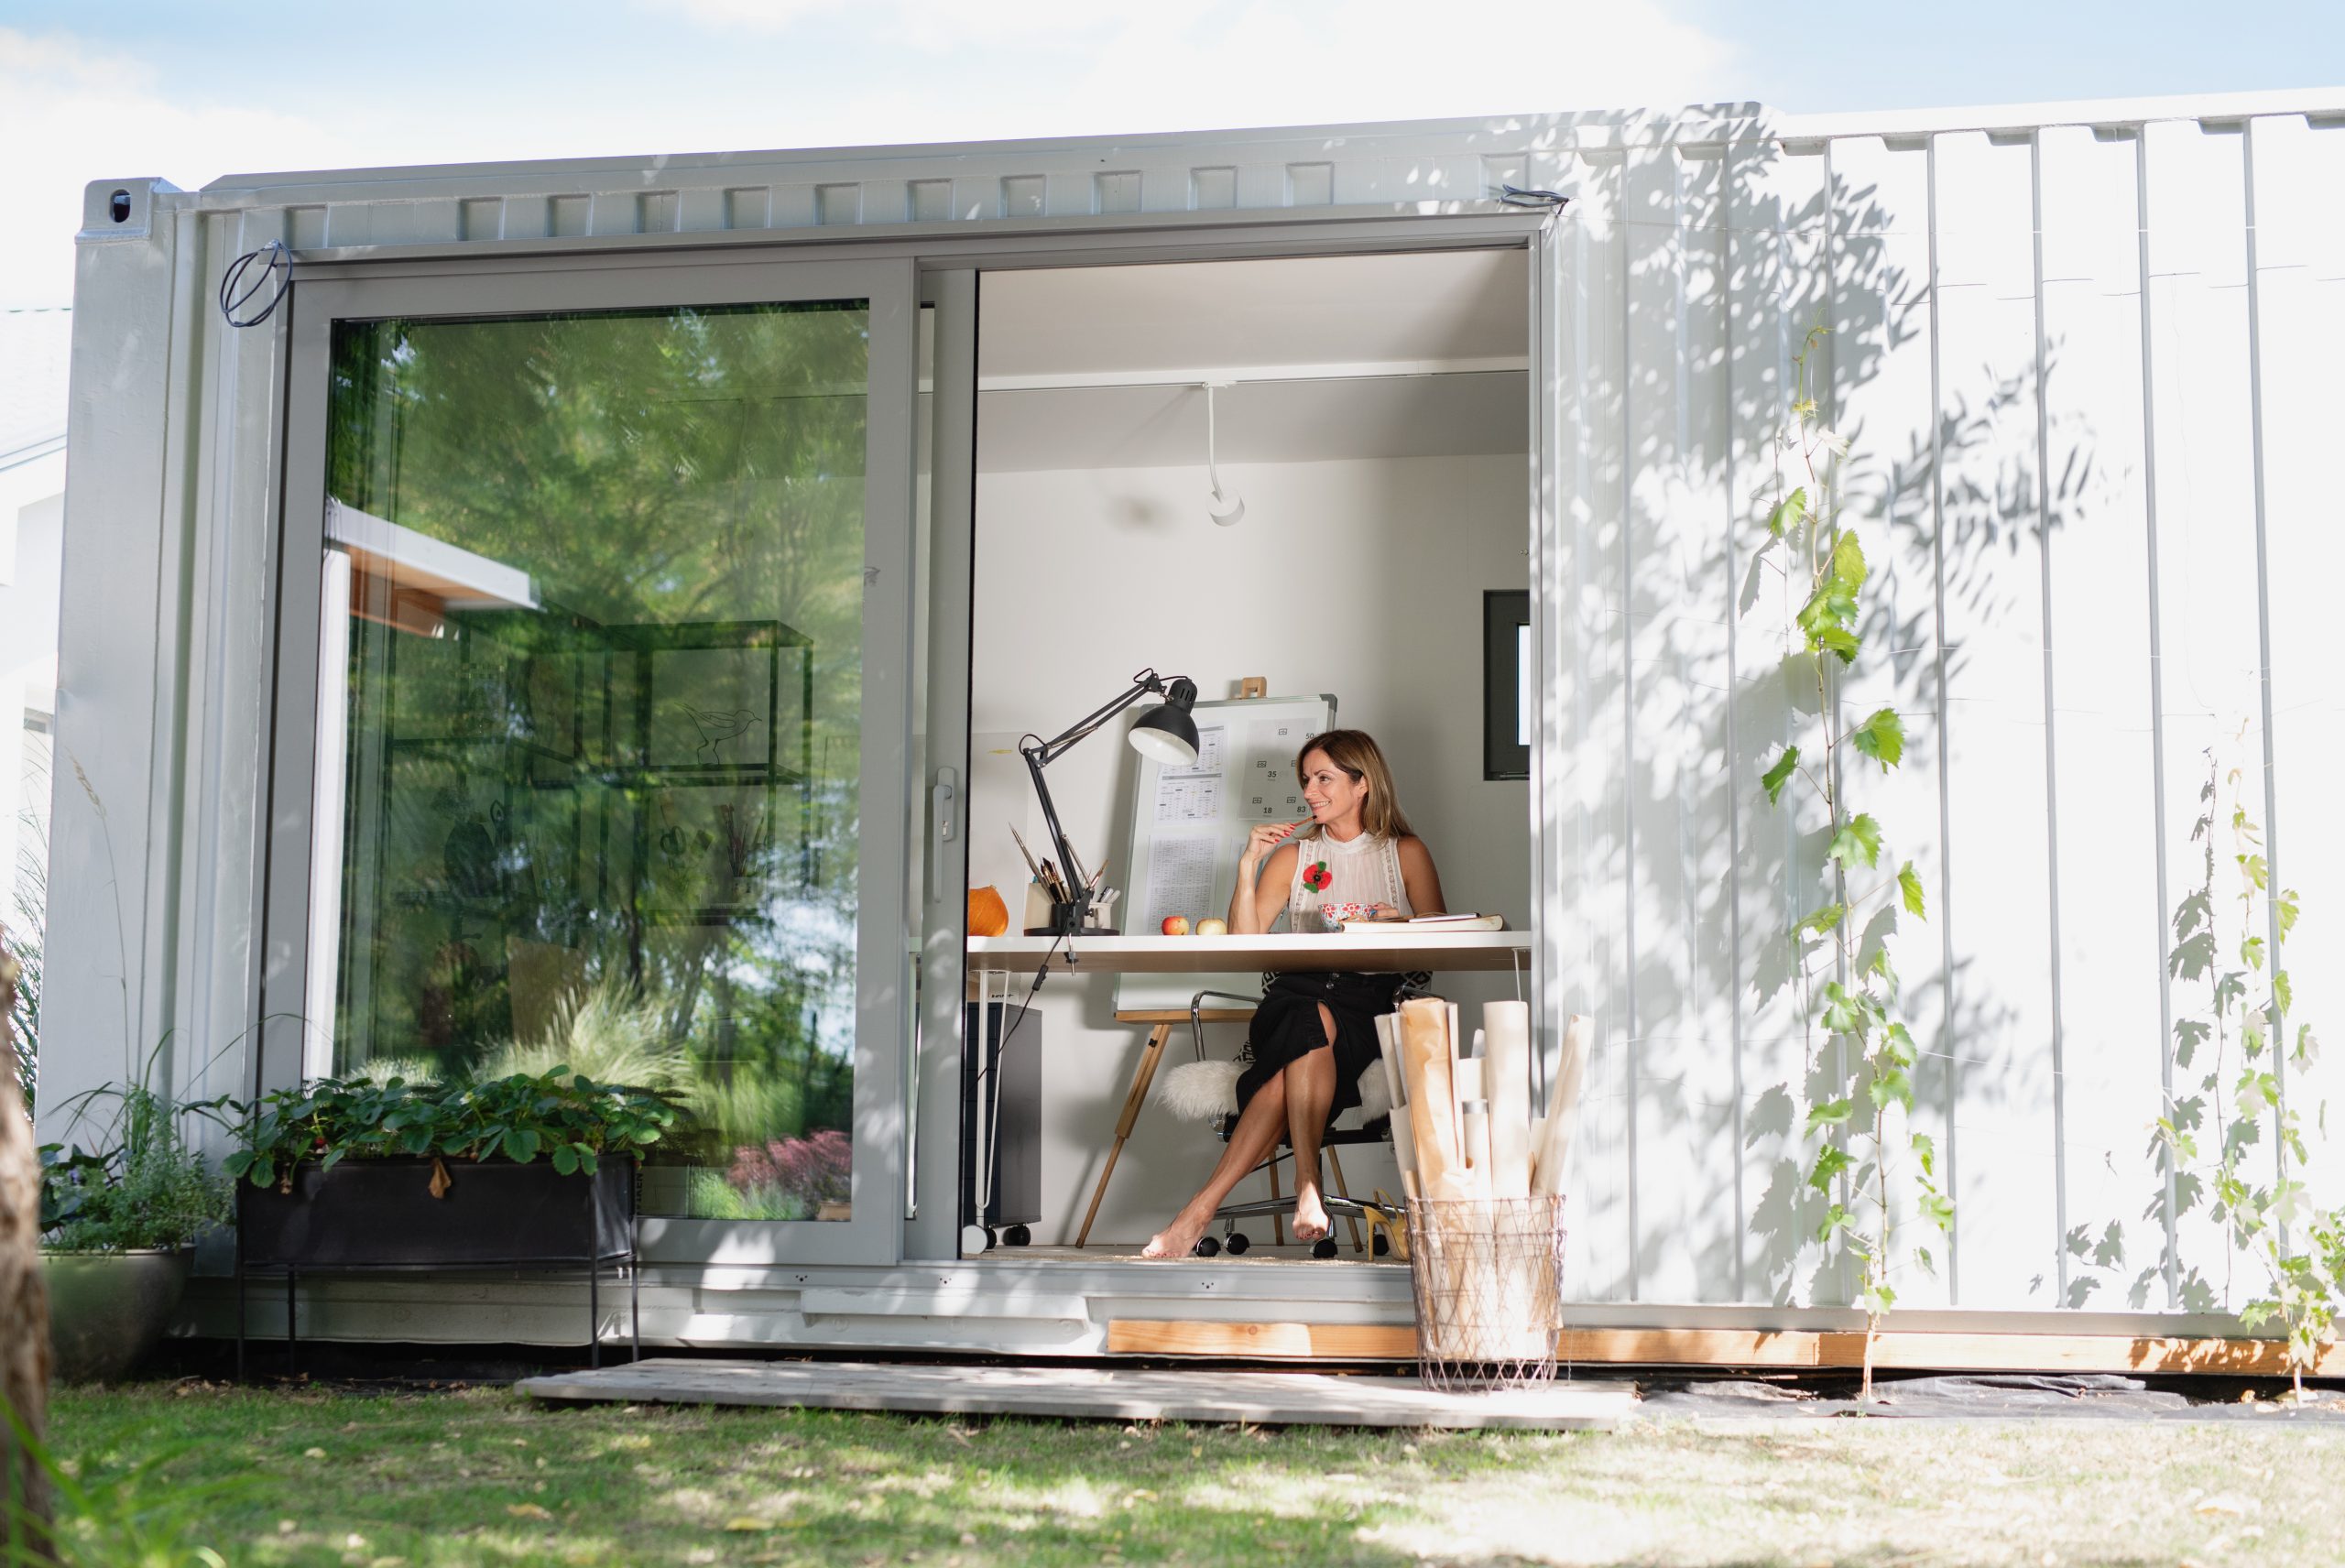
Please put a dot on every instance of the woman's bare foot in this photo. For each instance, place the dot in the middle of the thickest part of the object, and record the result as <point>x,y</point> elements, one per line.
<point>1178,1239</point>
<point>1310,1215</point>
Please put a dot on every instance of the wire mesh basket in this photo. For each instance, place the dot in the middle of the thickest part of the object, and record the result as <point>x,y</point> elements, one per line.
<point>1488,1277</point>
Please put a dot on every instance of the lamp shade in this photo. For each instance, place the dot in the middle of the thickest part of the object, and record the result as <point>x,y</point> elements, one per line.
<point>1166,731</point>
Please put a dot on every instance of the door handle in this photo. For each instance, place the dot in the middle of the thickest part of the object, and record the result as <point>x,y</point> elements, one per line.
<point>943,805</point>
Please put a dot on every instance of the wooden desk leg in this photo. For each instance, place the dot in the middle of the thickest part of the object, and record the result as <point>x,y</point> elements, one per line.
<point>1142,1075</point>
<point>1352,1220</point>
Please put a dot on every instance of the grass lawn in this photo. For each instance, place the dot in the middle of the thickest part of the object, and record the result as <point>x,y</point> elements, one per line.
<point>482,1476</point>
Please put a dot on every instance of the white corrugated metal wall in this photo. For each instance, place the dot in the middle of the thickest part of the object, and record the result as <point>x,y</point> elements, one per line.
<point>2090,374</point>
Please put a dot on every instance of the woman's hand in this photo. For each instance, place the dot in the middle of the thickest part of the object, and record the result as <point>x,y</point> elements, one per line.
<point>1264,839</point>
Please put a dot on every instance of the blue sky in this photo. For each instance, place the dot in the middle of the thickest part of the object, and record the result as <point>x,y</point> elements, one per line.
<point>98,89</point>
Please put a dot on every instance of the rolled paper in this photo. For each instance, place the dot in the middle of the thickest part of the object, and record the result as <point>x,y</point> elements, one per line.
<point>1466,1079</point>
<point>1455,1040</point>
<point>1475,1117</point>
<point>1478,1044</point>
<point>1506,1084</point>
<point>1405,1142</point>
<point>1388,1043</point>
<point>1432,1109</point>
<point>1563,1108</point>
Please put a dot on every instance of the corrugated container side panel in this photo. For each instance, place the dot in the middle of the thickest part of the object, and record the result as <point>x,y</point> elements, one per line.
<point>1674,588</point>
<point>1998,905</point>
<point>1777,206</point>
<point>2207,605</point>
<point>1596,887</point>
<point>2098,599</point>
<point>230,513</point>
<point>2300,309</point>
<point>1881,402</point>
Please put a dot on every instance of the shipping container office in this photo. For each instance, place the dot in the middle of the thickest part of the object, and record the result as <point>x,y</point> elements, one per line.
<point>2084,353</point>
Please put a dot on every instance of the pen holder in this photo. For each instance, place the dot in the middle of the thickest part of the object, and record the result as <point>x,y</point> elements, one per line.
<point>1067,919</point>
<point>1036,919</point>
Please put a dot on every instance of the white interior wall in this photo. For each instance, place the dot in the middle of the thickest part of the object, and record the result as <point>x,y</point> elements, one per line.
<point>1362,578</point>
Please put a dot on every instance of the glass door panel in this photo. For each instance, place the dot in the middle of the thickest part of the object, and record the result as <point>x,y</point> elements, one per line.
<point>592,754</point>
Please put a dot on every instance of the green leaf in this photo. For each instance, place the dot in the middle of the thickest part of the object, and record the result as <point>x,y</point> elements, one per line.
<point>1881,737</point>
<point>1823,921</point>
<point>1939,1209</point>
<point>1880,1298</point>
<point>1789,513</point>
<point>1830,1163</point>
<point>2250,952</point>
<point>1775,778</point>
<point>1846,1011</point>
<point>522,1145</point>
<point>1926,1151</point>
<point>1897,1045</point>
<point>2283,993</point>
<point>1828,619</point>
<point>565,1158</point>
<point>1929,1265</point>
<point>2285,904</point>
<point>1909,886</point>
<point>1830,1114</point>
<point>1835,1218</point>
<point>1859,840</point>
<point>1890,1085</point>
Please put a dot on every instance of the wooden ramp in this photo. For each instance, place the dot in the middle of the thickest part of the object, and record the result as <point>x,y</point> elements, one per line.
<point>1091,1393</point>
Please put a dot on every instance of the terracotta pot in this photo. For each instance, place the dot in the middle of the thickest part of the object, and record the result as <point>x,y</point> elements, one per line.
<point>107,1310</point>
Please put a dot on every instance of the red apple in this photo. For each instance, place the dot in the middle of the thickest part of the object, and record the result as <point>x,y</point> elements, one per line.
<point>1176,925</point>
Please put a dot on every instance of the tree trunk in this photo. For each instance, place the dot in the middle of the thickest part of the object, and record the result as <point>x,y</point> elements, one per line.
<point>24,1302</point>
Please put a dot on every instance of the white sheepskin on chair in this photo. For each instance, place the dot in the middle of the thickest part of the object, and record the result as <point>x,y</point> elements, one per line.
<point>1201,1091</point>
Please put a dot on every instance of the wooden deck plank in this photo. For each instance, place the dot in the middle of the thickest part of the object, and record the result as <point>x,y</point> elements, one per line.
<point>1098,1393</point>
<point>1897,1350</point>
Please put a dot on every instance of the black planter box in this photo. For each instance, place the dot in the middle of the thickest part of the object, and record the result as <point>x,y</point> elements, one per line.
<point>380,1213</point>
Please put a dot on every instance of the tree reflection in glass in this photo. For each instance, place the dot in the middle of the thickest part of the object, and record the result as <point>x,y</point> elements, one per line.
<point>595,585</point>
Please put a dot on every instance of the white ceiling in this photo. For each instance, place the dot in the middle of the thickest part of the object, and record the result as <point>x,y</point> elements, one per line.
<point>1332,357</point>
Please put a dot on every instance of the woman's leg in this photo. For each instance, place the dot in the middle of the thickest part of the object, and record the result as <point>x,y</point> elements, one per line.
<point>1309,1090</point>
<point>1255,1134</point>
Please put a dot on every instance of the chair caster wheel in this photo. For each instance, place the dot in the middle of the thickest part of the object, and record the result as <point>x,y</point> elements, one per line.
<point>1237,1242</point>
<point>1206,1246</point>
<point>975,1239</point>
<point>1380,1245</point>
<point>1016,1235</point>
<point>1324,1248</point>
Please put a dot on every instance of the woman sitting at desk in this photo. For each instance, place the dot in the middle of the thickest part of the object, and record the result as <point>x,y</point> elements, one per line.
<point>1312,1035</point>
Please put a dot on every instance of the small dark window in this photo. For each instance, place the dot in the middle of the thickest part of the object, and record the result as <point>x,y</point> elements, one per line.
<point>120,206</point>
<point>1508,690</point>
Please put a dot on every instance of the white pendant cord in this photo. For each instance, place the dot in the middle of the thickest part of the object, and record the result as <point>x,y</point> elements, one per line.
<point>1225,508</point>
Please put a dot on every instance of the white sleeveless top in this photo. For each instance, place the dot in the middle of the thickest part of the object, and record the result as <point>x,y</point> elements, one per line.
<point>1366,870</point>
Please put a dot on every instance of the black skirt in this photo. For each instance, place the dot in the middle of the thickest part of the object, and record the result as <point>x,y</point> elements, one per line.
<point>1286,1027</point>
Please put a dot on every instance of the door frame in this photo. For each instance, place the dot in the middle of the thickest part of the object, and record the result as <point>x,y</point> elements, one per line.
<point>952,283</point>
<point>284,875</point>
<point>909,1045</point>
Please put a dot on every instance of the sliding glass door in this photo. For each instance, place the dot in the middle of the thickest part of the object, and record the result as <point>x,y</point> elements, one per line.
<point>595,596</point>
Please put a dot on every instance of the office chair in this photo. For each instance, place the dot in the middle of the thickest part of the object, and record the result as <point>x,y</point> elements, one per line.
<point>1206,1089</point>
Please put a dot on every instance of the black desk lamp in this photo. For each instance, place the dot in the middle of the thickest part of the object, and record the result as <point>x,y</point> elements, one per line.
<point>1166,733</point>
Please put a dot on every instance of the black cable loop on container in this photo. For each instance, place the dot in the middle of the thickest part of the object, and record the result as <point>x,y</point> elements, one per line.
<point>1518,196</point>
<point>235,292</point>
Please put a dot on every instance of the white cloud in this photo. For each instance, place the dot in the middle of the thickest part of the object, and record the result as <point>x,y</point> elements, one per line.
<point>73,114</point>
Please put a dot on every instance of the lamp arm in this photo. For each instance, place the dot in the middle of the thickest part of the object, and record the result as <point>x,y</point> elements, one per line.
<point>1043,753</point>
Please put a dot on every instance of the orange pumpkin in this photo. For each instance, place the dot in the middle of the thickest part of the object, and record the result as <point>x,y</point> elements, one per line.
<point>988,916</point>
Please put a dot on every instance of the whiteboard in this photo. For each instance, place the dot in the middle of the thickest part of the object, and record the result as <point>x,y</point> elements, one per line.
<point>1190,823</point>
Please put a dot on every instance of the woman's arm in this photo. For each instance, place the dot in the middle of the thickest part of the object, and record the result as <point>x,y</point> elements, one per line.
<point>1260,894</point>
<point>1419,878</point>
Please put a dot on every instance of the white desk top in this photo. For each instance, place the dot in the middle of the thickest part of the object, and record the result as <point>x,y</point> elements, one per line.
<point>1359,952</point>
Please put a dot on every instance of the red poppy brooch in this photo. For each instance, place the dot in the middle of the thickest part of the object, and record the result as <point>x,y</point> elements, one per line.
<point>1317,877</point>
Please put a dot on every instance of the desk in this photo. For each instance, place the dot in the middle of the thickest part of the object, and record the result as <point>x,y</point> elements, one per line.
<point>1361,952</point>
<point>1372,952</point>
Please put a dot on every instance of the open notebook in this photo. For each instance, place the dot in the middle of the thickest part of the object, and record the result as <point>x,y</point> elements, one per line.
<point>1431,922</point>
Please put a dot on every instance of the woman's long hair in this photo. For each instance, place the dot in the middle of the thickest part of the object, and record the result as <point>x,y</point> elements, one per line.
<point>1355,753</point>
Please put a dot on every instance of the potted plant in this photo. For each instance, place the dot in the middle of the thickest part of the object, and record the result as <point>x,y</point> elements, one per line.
<point>118,1226</point>
<point>531,1168</point>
